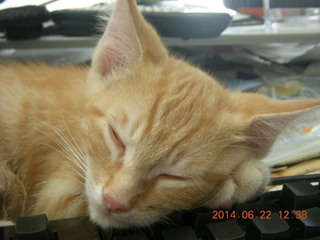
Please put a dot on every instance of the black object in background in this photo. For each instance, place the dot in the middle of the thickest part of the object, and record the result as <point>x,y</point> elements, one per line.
<point>27,22</point>
<point>235,4</point>
<point>78,22</point>
<point>23,22</point>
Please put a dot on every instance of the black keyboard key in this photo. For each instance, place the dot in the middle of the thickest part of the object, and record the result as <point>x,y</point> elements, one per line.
<point>228,230</point>
<point>299,195</point>
<point>270,196</point>
<point>6,232</point>
<point>33,228</point>
<point>201,218</point>
<point>174,220</point>
<point>183,233</point>
<point>75,228</point>
<point>308,222</point>
<point>136,236</point>
<point>273,227</point>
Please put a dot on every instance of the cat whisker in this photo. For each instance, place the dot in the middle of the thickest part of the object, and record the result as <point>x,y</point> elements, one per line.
<point>141,221</point>
<point>73,152</point>
<point>144,222</point>
<point>69,146</point>
<point>67,164</point>
<point>73,139</point>
<point>68,152</point>
<point>74,156</point>
<point>167,221</point>
<point>82,176</point>
<point>148,228</point>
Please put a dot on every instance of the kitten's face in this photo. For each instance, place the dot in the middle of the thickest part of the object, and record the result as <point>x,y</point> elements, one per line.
<point>166,145</point>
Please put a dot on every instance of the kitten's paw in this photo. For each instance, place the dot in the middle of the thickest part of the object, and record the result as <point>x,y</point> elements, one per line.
<point>250,178</point>
<point>226,205</point>
<point>248,181</point>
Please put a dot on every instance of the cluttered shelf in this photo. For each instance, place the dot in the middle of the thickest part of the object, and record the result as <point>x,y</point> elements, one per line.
<point>239,35</point>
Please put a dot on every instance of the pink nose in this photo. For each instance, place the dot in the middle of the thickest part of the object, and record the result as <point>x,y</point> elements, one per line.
<point>114,206</point>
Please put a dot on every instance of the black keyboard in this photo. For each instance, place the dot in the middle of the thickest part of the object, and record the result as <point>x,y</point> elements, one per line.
<point>290,213</point>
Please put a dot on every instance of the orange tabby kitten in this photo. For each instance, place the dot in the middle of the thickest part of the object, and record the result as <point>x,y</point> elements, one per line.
<point>138,135</point>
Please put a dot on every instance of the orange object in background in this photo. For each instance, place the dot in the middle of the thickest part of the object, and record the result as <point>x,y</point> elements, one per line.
<point>255,12</point>
<point>249,7</point>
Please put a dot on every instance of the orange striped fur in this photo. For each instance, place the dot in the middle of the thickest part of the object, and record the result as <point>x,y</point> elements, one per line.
<point>140,125</point>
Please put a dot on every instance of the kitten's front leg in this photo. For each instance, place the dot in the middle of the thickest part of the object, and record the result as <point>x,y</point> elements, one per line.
<point>60,198</point>
<point>251,178</point>
<point>12,193</point>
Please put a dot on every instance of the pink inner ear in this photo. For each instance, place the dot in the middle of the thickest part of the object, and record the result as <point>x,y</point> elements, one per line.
<point>108,60</point>
<point>110,55</point>
<point>120,45</point>
<point>264,130</point>
<point>260,146</point>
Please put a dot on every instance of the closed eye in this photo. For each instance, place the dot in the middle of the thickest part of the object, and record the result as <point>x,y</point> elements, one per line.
<point>117,141</point>
<point>171,177</point>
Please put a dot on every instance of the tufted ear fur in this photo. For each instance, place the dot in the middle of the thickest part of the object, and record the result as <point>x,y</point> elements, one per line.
<point>271,117</point>
<point>264,129</point>
<point>127,40</point>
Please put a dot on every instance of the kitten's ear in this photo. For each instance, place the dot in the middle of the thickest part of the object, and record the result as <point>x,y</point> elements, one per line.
<point>127,40</point>
<point>264,128</point>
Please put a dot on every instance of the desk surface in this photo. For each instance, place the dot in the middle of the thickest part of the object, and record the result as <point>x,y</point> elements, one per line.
<point>231,36</point>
